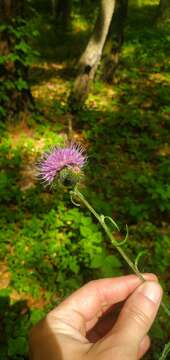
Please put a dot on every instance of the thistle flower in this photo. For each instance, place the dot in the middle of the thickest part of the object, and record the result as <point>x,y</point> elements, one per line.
<point>64,163</point>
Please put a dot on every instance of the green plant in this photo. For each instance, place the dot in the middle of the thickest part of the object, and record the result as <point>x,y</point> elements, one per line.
<point>14,63</point>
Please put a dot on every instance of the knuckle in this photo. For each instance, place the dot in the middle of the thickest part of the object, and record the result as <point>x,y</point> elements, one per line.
<point>49,317</point>
<point>92,283</point>
<point>137,314</point>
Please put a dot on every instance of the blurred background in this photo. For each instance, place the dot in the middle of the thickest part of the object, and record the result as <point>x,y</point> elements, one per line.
<point>98,73</point>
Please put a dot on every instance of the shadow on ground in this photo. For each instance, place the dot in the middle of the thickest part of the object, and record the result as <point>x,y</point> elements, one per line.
<point>14,326</point>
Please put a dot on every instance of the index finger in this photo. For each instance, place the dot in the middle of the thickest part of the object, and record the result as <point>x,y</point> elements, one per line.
<point>85,306</point>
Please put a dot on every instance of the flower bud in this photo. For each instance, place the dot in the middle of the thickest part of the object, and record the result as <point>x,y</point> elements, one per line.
<point>70,176</point>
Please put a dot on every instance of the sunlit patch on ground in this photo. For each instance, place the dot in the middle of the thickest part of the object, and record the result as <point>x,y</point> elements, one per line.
<point>4,275</point>
<point>51,86</point>
<point>124,129</point>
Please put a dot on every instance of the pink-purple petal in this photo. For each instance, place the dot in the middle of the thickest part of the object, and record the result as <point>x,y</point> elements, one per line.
<point>53,162</point>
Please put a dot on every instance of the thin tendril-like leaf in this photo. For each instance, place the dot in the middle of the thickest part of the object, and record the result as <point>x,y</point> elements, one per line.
<point>138,258</point>
<point>101,218</point>
<point>117,243</point>
<point>126,237</point>
<point>111,220</point>
<point>127,234</point>
<point>125,240</point>
<point>165,352</point>
<point>72,200</point>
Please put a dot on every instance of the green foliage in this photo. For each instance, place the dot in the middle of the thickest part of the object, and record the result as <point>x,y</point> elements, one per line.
<point>15,62</point>
<point>55,247</point>
<point>48,247</point>
<point>165,352</point>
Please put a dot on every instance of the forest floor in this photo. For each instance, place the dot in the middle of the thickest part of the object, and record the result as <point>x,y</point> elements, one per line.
<point>124,127</point>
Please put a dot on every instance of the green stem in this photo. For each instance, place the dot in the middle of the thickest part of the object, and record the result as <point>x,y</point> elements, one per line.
<point>134,268</point>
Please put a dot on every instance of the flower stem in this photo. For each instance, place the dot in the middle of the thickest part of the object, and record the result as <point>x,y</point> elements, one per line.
<point>100,218</point>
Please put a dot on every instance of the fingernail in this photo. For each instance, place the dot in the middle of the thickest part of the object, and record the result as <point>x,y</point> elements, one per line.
<point>152,291</point>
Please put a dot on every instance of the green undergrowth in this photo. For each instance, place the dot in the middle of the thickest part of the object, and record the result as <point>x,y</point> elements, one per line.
<point>49,247</point>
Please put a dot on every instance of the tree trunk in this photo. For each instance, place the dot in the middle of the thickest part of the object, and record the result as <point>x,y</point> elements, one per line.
<point>14,96</point>
<point>90,58</point>
<point>53,8</point>
<point>164,12</point>
<point>11,8</point>
<point>63,13</point>
<point>115,41</point>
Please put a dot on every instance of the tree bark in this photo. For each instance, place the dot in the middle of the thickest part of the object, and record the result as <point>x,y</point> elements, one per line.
<point>9,8</point>
<point>53,8</point>
<point>12,100</point>
<point>63,13</point>
<point>114,41</point>
<point>164,12</point>
<point>90,58</point>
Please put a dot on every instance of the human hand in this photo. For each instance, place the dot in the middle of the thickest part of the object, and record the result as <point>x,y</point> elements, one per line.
<point>82,326</point>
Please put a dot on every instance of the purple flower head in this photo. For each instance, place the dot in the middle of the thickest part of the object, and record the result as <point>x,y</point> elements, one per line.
<point>53,162</point>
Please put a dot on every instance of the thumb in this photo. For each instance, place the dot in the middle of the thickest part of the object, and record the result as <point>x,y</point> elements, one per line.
<point>138,314</point>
